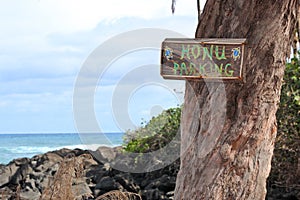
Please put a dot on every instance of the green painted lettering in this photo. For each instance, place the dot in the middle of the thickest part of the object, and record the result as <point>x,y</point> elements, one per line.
<point>222,57</point>
<point>206,53</point>
<point>196,50</point>
<point>176,68</point>
<point>185,51</point>
<point>230,72</point>
<point>183,67</point>
<point>192,69</point>
<point>202,69</point>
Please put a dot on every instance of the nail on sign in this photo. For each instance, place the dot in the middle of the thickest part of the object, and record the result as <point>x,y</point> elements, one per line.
<point>202,58</point>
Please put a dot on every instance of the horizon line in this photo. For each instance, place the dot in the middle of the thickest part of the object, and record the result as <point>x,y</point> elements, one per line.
<point>57,132</point>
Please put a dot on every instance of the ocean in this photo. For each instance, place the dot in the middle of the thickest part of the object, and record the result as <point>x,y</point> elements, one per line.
<point>14,146</point>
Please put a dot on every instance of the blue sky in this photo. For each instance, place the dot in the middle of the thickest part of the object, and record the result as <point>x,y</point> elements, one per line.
<point>45,43</point>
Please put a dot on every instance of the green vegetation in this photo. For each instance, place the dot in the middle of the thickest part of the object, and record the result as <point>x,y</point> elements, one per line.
<point>155,134</point>
<point>286,154</point>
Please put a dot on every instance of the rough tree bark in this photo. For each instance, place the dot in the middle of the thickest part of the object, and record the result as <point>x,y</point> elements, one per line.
<point>228,129</point>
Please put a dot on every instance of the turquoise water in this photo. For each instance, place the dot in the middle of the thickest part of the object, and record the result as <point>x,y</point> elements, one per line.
<point>27,145</point>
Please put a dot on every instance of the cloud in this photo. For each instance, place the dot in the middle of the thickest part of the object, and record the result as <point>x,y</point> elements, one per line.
<point>44,16</point>
<point>46,42</point>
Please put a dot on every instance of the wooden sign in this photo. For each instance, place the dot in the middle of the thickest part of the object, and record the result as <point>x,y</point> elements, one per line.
<point>202,58</point>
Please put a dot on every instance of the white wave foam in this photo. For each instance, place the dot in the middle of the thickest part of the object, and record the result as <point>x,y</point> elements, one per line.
<point>92,147</point>
<point>38,150</point>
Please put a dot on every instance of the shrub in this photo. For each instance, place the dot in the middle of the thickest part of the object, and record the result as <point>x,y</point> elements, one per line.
<point>154,135</point>
<point>286,154</point>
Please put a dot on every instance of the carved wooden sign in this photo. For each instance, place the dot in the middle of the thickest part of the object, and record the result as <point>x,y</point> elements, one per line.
<point>202,58</point>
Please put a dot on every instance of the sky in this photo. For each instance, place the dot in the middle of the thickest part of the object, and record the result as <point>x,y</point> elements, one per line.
<point>45,45</point>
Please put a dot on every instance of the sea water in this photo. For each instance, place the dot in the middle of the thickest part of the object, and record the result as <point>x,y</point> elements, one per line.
<point>14,146</point>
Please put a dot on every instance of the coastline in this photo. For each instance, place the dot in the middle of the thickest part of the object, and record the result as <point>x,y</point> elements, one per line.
<point>31,178</point>
<point>15,146</point>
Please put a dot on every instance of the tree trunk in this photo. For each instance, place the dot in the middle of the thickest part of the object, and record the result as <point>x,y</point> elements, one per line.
<point>229,128</point>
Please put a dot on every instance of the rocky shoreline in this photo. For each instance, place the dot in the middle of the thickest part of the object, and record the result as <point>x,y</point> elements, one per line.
<point>29,179</point>
<point>77,174</point>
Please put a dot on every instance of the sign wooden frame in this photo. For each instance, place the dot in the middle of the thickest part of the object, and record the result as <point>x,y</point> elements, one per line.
<point>212,58</point>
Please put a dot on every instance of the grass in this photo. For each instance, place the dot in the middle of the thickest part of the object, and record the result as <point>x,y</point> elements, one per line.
<point>118,195</point>
<point>60,186</point>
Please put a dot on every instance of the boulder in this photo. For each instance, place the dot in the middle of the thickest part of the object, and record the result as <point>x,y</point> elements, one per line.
<point>108,184</point>
<point>5,175</point>
<point>153,194</point>
<point>96,173</point>
<point>20,161</point>
<point>13,173</point>
<point>64,152</point>
<point>127,183</point>
<point>166,183</point>
<point>81,190</point>
<point>29,194</point>
<point>104,154</point>
<point>88,160</point>
<point>47,161</point>
<point>21,174</point>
